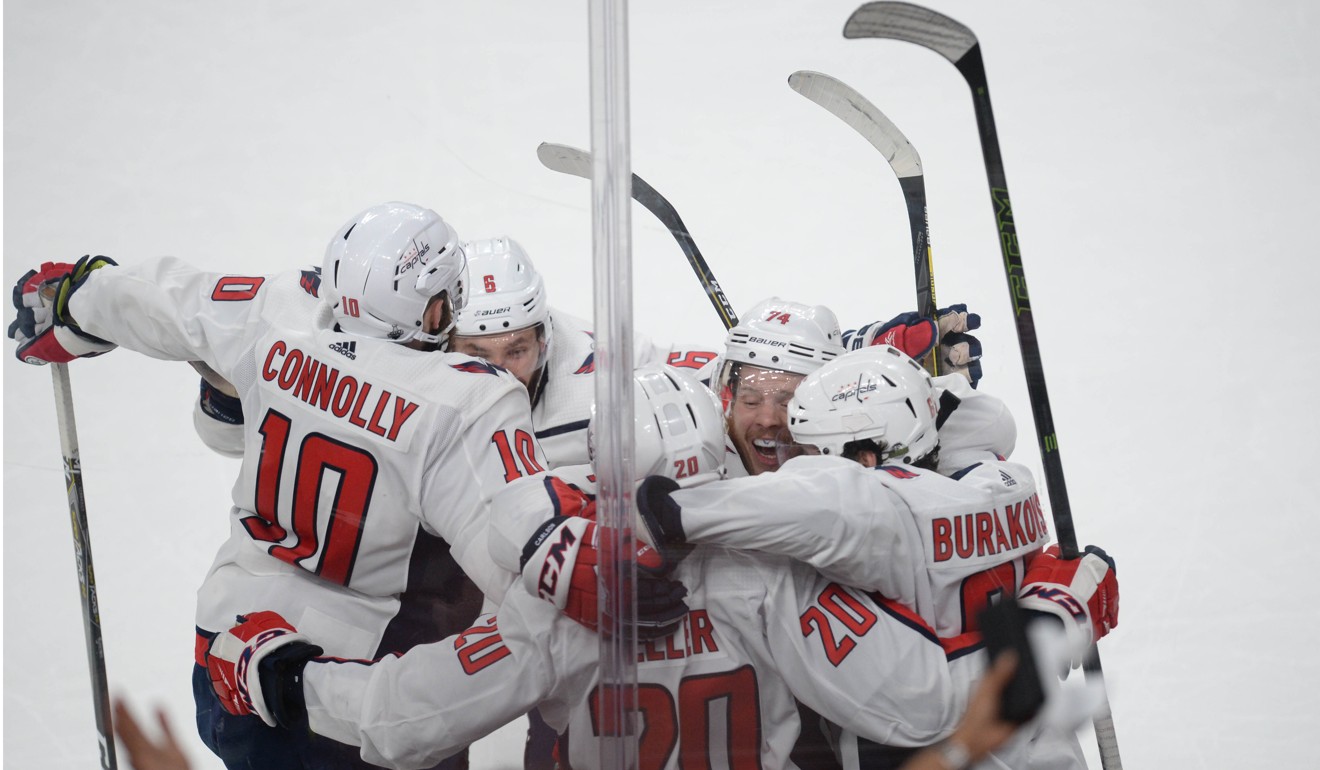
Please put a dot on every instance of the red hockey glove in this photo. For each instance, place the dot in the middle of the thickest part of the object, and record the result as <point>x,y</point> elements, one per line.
<point>255,668</point>
<point>44,330</point>
<point>1082,592</point>
<point>908,332</point>
<point>960,353</point>
<point>559,564</point>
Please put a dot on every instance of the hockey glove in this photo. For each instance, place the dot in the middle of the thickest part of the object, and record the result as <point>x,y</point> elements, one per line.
<point>256,668</point>
<point>1081,592</point>
<point>559,564</point>
<point>916,336</point>
<point>219,405</point>
<point>44,330</point>
<point>662,518</point>
<point>960,352</point>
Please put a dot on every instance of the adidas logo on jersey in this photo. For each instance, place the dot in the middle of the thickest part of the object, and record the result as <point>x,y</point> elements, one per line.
<point>1009,481</point>
<point>348,349</point>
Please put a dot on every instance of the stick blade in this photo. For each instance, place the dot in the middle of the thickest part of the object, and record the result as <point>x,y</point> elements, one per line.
<point>914,24</point>
<point>845,103</point>
<point>565,159</point>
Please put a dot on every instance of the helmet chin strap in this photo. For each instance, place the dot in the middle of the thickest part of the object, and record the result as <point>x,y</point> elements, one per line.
<point>441,337</point>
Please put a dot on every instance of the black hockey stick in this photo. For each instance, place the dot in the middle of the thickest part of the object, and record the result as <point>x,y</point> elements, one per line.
<point>955,42</point>
<point>82,551</point>
<point>866,119</point>
<point>571,160</point>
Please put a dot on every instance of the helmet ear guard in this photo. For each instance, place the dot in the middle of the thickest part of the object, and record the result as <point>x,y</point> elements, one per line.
<point>876,393</point>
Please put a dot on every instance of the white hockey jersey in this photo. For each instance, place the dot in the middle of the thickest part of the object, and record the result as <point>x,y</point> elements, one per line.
<point>945,546</point>
<point>762,631</point>
<point>359,454</point>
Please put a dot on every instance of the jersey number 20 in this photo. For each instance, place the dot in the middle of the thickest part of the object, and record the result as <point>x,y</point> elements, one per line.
<point>689,721</point>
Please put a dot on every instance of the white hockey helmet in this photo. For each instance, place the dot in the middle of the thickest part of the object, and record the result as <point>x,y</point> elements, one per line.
<point>779,334</point>
<point>789,336</point>
<point>505,293</point>
<point>876,392</point>
<point>678,426</point>
<point>383,266</point>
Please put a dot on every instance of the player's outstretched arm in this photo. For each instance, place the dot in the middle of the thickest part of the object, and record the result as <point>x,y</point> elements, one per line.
<point>410,710</point>
<point>166,309</point>
<point>44,327</point>
<point>821,511</point>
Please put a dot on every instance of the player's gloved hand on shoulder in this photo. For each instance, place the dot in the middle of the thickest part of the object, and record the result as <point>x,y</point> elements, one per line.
<point>256,668</point>
<point>959,351</point>
<point>662,518</point>
<point>1081,592</point>
<point>559,564</point>
<point>44,330</point>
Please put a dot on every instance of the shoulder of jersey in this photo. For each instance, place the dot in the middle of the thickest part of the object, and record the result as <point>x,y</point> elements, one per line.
<point>574,348</point>
<point>1001,473</point>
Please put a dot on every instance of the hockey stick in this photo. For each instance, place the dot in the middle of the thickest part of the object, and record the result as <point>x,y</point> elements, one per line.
<point>82,551</point>
<point>571,160</point>
<point>955,42</point>
<point>866,119</point>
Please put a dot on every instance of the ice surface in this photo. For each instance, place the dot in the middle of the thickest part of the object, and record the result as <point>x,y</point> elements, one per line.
<point>1163,168</point>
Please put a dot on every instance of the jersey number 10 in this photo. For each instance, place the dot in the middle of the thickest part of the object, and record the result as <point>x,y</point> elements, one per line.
<point>353,472</point>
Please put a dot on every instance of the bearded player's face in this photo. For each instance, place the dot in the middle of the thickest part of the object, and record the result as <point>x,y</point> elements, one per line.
<point>758,416</point>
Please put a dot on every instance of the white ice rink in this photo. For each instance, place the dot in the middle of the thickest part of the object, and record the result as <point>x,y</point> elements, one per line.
<point>1163,163</point>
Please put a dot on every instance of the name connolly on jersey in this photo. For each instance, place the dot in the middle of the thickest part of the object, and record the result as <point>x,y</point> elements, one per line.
<point>320,385</point>
<point>987,533</point>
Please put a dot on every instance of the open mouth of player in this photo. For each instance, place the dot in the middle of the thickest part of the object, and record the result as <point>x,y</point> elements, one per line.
<point>767,451</point>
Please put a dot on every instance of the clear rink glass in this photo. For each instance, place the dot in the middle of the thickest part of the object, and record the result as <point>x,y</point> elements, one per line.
<point>611,189</point>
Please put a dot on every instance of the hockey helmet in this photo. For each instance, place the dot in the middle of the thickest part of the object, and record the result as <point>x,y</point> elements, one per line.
<point>678,427</point>
<point>383,266</point>
<point>876,392</point>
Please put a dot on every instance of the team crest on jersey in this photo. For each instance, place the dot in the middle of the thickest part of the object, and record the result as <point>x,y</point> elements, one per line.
<point>477,367</point>
<point>310,281</point>
<point>588,366</point>
<point>346,349</point>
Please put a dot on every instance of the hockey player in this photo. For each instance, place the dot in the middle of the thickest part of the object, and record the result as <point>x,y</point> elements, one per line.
<point>369,451</point>
<point>778,342</point>
<point>867,508</point>
<point>758,631</point>
<point>509,322</point>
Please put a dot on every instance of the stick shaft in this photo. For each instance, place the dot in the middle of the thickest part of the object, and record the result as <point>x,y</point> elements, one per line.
<point>82,550</point>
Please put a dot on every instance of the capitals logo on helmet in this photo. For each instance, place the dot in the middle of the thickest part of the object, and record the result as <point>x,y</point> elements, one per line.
<point>383,266</point>
<point>876,392</point>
